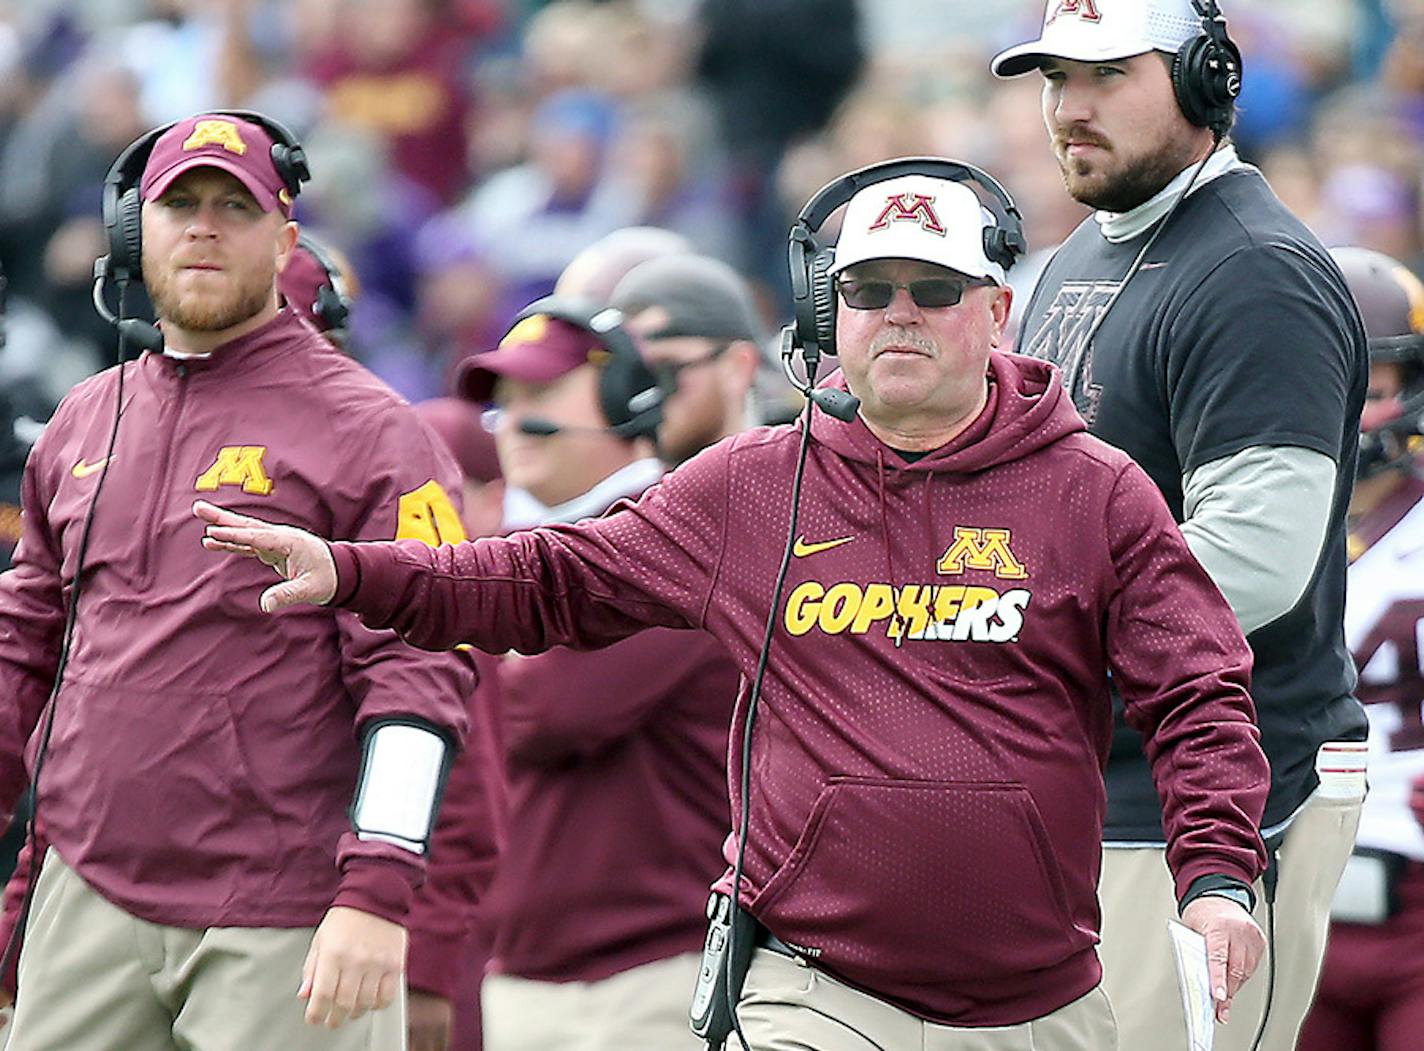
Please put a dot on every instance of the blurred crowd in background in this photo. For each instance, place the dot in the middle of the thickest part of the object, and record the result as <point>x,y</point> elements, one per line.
<point>463,151</point>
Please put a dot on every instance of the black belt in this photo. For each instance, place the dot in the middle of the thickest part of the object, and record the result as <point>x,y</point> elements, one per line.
<point>766,940</point>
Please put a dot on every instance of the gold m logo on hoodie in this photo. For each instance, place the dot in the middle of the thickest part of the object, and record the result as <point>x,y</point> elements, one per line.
<point>986,549</point>
<point>237,465</point>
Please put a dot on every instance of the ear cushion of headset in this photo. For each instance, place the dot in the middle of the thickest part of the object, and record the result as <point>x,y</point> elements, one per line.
<point>1183,81</point>
<point>823,300</point>
<point>126,245</point>
<point>1202,92</point>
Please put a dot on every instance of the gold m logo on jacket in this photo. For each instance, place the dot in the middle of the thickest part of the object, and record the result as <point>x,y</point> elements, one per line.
<point>237,465</point>
<point>428,515</point>
<point>986,549</point>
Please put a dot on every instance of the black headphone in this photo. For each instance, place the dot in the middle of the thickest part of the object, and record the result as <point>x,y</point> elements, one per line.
<point>333,299</point>
<point>629,393</point>
<point>812,292</point>
<point>123,209</point>
<point>1206,72</point>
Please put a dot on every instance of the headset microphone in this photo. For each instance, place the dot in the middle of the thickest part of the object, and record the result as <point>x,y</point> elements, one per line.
<point>134,330</point>
<point>838,403</point>
<point>539,427</point>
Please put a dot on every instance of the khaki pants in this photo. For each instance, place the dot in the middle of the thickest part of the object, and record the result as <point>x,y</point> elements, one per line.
<point>94,978</point>
<point>787,1005</point>
<point>1138,970</point>
<point>640,1009</point>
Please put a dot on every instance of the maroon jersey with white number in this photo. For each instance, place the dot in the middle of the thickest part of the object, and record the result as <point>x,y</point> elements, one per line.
<point>1384,627</point>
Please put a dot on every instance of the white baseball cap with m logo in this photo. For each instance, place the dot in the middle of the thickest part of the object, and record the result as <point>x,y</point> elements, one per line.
<point>1103,30</point>
<point>917,217</point>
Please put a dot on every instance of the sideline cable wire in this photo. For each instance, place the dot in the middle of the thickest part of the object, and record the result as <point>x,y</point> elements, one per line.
<point>12,945</point>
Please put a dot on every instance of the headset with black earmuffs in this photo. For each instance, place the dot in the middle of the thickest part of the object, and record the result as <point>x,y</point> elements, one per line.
<point>813,293</point>
<point>123,213</point>
<point>1206,72</point>
<point>630,394</point>
<point>333,298</point>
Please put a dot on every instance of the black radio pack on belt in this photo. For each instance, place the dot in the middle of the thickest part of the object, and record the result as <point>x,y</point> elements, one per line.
<point>719,980</point>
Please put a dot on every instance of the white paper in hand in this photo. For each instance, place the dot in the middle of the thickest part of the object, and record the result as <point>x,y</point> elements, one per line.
<point>1194,979</point>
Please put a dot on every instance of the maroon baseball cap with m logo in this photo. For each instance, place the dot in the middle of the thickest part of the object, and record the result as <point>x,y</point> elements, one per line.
<point>215,140</point>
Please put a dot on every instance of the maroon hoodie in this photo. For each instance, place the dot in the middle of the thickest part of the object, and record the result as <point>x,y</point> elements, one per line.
<point>927,797</point>
<point>204,755</point>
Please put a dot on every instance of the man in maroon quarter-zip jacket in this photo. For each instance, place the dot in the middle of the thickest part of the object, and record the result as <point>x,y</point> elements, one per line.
<point>194,792</point>
<point>926,794</point>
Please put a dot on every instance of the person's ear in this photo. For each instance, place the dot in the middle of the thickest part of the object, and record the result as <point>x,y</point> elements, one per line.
<point>286,244</point>
<point>999,308</point>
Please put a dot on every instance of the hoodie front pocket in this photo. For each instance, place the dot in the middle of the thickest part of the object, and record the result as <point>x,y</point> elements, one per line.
<point>897,883</point>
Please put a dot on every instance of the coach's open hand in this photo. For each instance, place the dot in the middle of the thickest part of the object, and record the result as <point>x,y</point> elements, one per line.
<point>302,558</point>
<point>1234,946</point>
<point>355,965</point>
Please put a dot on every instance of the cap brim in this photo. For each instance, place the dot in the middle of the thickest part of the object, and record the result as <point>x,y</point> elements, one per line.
<point>266,200</point>
<point>994,273</point>
<point>1025,58</point>
<point>476,376</point>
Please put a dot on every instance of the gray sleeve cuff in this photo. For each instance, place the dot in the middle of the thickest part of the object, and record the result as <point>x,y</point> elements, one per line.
<point>1257,521</point>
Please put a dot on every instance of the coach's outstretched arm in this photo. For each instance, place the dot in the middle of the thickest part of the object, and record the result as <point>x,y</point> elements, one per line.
<point>302,558</point>
<point>649,564</point>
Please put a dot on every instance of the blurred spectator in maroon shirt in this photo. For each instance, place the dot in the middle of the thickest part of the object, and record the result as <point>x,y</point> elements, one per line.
<point>397,68</point>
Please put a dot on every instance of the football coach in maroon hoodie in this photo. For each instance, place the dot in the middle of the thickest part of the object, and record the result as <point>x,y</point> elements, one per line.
<point>204,887</point>
<point>926,794</point>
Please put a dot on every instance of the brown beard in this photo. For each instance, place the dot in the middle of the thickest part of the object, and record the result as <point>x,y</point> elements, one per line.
<point>247,302</point>
<point>1130,187</point>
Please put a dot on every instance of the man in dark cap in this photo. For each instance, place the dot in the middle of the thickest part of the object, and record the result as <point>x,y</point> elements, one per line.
<point>697,327</point>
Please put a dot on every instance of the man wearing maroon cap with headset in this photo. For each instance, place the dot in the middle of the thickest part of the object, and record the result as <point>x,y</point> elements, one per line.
<point>596,919</point>
<point>202,886</point>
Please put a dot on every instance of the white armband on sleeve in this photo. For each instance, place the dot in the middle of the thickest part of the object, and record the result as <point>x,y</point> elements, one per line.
<point>403,769</point>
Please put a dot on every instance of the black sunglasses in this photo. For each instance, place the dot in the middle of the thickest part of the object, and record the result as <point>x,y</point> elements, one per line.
<point>668,372</point>
<point>928,293</point>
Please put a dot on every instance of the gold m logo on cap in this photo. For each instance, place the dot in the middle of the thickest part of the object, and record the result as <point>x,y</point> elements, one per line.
<point>909,207</point>
<point>222,133</point>
<point>529,330</point>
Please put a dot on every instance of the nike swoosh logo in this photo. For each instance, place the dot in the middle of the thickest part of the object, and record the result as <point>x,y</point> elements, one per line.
<point>801,548</point>
<point>84,470</point>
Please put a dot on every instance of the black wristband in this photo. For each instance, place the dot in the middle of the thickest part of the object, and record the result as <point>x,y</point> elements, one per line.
<point>1216,882</point>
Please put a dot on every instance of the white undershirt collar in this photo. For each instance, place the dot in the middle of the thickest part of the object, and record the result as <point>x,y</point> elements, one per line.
<point>1117,227</point>
<point>626,481</point>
